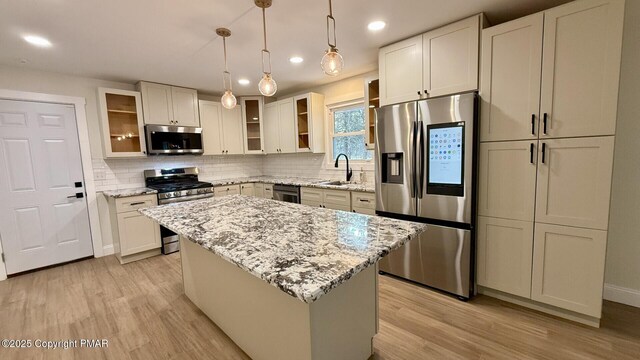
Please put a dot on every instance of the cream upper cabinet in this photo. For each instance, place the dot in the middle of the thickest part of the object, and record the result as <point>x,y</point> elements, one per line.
<point>287,126</point>
<point>574,182</point>
<point>211,116</point>
<point>221,129</point>
<point>271,128</point>
<point>510,79</point>
<point>169,105</point>
<point>568,268</point>
<point>232,131</point>
<point>507,180</point>
<point>400,67</point>
<point>279,127</point>
<point>309,122</point>
<point>505,252</point>
<point>185,106</point>
<point>450,58</point>
<point>581,68</point>
<point>156,103</point>
<point>122,123</point>
<point>253,121</point>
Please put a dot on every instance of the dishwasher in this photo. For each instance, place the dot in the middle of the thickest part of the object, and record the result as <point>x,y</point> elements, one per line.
<point>287,193</point>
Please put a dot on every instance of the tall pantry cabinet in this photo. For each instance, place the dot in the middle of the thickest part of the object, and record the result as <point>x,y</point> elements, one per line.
<point>549,90</point>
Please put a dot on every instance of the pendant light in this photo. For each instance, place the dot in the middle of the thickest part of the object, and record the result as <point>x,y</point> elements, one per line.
<point>267,85</point>
<point>332,62</point>
<point>228,99</point>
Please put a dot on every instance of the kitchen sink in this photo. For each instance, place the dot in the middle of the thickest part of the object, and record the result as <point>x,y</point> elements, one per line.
<point>333,182</point>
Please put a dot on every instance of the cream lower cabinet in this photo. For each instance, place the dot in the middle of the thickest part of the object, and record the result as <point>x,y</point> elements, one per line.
<point>221,129</point>
<point>363,203</point>
<point>325,198</point>
<point>268,191</point>
<point>574,182</point>
<point>135,236</point>
<point>258,190</point>
<point>248,189</point>
<point>225,190</point>
<point>507,179</point>
<point>504,253</point>
<point>568,268</point>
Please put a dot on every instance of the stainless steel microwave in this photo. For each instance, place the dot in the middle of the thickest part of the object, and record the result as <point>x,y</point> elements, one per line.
<point>173,140</point>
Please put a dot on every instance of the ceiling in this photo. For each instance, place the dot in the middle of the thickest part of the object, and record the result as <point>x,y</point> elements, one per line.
<point>174,42</point>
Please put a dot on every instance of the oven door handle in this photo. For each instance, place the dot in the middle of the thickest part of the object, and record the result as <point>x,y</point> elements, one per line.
<point>184,198</point>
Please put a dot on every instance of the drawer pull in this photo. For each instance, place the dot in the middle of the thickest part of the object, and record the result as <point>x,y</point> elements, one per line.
<point>137,203</point>
<point>364,200</point>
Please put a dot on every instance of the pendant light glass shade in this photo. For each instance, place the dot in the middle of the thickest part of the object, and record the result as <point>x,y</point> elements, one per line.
<point>229,100</point>
<point>267,85</point>
<point>332,62</point>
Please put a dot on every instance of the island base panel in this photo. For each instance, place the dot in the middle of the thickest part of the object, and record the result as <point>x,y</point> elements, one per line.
<point>270,324</point>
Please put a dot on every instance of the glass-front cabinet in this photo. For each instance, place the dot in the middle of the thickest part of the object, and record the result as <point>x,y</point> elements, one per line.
<point>122,123</point>
<point>252,122</point>
<point>372,100</point>
<point>309,122</point>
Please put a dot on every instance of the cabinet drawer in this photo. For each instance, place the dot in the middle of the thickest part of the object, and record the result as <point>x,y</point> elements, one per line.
<point>226,190</point>
<point>337,197</point>
<point>309,194</point>
<point>363,200</point>
<point>342,207</point>
<point>363,210</point>
<point>134,203</point>
<point>311,203</point>
<point>268,191</point>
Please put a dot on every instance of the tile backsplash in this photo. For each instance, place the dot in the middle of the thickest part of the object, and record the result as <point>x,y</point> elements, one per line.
<point>114,174</point>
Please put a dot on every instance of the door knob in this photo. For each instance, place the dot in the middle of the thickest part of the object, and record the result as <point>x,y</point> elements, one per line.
<point>76,196</point>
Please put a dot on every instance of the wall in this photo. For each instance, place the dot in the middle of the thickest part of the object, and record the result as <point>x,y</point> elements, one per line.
<point>623,249</point>
<point>318,165</point>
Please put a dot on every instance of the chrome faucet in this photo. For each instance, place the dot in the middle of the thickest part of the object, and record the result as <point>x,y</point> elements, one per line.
<point>349,171</point>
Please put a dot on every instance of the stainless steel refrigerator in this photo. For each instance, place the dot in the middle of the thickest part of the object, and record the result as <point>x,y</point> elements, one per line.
<point>425,171</point>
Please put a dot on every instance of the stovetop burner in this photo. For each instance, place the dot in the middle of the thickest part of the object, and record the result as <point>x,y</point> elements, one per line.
<point>167,187</point>
<point>180,183</point>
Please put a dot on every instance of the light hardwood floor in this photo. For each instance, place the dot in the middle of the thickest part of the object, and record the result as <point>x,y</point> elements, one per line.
<point>141,310</point>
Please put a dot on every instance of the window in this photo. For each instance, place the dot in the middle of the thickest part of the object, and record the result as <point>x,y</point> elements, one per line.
<point>348,135</point>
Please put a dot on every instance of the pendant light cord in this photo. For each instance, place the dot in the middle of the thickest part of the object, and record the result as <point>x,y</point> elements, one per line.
<point>265,51</point>
<point>264,28</point>
<point>331,20</point>
<point>226,76</point>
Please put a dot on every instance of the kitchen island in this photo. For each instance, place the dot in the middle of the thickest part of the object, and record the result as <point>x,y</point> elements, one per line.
<point>284,281</point>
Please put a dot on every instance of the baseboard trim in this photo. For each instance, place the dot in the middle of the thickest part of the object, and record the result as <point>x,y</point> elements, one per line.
<point>622,295</point>
<point>107,250</point>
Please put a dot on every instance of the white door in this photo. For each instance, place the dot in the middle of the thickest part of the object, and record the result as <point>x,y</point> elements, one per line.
<point>510,86</point>
<point>287,126</point>
<point>211,116</point>
<point>507,179</point>
<point>574,182</point>
<point>156,104</point>
<point>233,140</point>
<point>271,128</point>
<point>568,268</point>
<point>505,252</point>
<point>581,68</point>
<point>41,221</point>
<point>400,69</point>
<point>450,58</point>
<point>185,106</point>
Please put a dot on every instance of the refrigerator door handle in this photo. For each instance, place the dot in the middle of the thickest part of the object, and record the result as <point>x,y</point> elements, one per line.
<point>421,160</point>
<point>412,178</point>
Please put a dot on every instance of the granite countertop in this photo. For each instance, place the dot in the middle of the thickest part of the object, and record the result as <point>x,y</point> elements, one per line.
<point>304,251</point>
<point>129,192</point>
<point>296,181</point>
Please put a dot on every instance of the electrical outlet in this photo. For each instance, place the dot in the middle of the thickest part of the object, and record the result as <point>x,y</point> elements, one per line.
<point>100,175</point>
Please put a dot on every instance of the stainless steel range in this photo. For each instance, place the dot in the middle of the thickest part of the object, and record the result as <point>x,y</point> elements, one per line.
<point>176,185</point>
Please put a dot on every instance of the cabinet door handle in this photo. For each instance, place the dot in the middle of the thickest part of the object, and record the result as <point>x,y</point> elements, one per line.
<point>419,93</point>
<point>533,124</point>
<point>426,93</point>
<point>137,203</point>
<point>531,153</point>
<point>544,146</point>
<point>544,124</point>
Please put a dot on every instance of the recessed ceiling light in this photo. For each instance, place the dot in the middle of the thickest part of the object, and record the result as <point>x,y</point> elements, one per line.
<point>376,25</point>
<point>244,81</point>
<point>296,59</point>
<point>37,40</point>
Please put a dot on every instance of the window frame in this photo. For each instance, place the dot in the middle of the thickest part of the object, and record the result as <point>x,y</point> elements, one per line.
<point>354,164</point>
